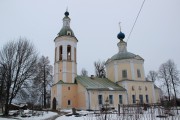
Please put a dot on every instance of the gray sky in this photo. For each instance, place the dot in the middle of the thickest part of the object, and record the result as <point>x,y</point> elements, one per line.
<point>156,36</point>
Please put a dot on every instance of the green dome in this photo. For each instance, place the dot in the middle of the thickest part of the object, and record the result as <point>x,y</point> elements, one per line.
<point>123,55</point>
<point>66,31</point>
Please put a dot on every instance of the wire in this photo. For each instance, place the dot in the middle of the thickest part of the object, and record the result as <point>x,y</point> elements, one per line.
<point>136,20</point>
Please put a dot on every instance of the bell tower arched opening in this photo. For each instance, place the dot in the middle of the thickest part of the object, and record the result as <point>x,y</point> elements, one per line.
<point>60,52</point>
<point>69,53</point>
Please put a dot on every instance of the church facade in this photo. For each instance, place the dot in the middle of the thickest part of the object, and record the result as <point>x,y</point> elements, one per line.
<point>125,82</point>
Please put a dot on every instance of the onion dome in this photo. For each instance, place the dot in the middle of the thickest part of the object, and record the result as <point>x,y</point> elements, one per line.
<point>121,36</point>
<point>66,13</point>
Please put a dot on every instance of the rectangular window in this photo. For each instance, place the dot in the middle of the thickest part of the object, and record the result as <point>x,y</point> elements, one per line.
<point>124,73</point>
<point>138,73</point>
<point>69,102</point>
<point>111,99</point>
<point>147,99</point>
<point>100,99</point>
<point>133,99</point>
<point>141,99</point>
<point>120,99</point>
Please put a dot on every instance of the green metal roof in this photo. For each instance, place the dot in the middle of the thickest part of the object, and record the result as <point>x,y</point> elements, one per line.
<point>103,84</point>
<point>64,30</point>
<point>123,55</point>
<point>60,82</point>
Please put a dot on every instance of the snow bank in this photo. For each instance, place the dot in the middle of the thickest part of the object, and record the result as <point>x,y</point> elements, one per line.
<point>45,116</point>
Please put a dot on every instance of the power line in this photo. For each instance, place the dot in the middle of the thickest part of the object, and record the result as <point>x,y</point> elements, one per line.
<point>136,20</point>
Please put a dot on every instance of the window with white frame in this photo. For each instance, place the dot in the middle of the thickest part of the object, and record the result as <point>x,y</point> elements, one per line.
<point>133,99</point>
<point>120,99</point>
<point>124,73</point>
<point>141,99</point>
<point>100,99</point>
<point>111,99</point>
<point>138,73</point>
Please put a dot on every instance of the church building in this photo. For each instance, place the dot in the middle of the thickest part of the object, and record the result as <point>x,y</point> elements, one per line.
<point>125,82</point>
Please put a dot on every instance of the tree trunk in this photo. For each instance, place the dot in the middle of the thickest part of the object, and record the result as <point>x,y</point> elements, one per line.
<point>7,97</point>
<point>44,85</point>
<point>7,103</point>
<point>174,93</point>
<point>44,97</point>
<point>2,109</point>
<point>169,96</point>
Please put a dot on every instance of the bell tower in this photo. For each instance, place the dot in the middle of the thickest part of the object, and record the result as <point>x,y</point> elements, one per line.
<point>65,64</point>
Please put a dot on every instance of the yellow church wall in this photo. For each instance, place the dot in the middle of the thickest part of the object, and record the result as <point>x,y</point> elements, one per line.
<point>81,98</point>
<point>157,91</point>
<point>69,92</point>
<point>140,89</point>
<point>60,71</point>
<point>110,72</point>
<point>69,72</point>
<point>124,66</point>
<point>130,65</point>
<point>140,67</point>
<point>94,98</point>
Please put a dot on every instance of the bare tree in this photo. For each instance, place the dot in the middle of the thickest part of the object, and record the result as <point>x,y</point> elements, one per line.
<point>100,69</point>
<point>29,94</point>
<point>152,75</point>
<point>44,77</point>
<point>18,61</point>
<point>84,72</point>
<point>173,76</point>
<point>163,74</point>
<point>2,88</point>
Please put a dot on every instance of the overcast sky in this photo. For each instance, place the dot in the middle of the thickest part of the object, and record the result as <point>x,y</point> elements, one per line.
<point>156,36</point>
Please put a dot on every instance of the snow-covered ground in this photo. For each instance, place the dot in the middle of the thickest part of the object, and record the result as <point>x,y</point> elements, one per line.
<point>86,115</point>
<point>147,115</point>
<point>45,115</point>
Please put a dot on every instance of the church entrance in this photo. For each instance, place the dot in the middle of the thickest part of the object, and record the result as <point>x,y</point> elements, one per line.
<point>54,104</point>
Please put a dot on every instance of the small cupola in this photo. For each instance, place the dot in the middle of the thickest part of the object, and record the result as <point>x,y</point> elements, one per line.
<point>66,30</point>
<point>121,45</point>
<point>120,35</point>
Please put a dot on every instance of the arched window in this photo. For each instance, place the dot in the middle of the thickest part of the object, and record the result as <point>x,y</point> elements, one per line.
<point>75,54</point>
<point>60,52</point>
<point>145,88</point>
<point>68,52</point>
<point>132,88</point>
<point>68,32</point>
<point>55,53</point>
